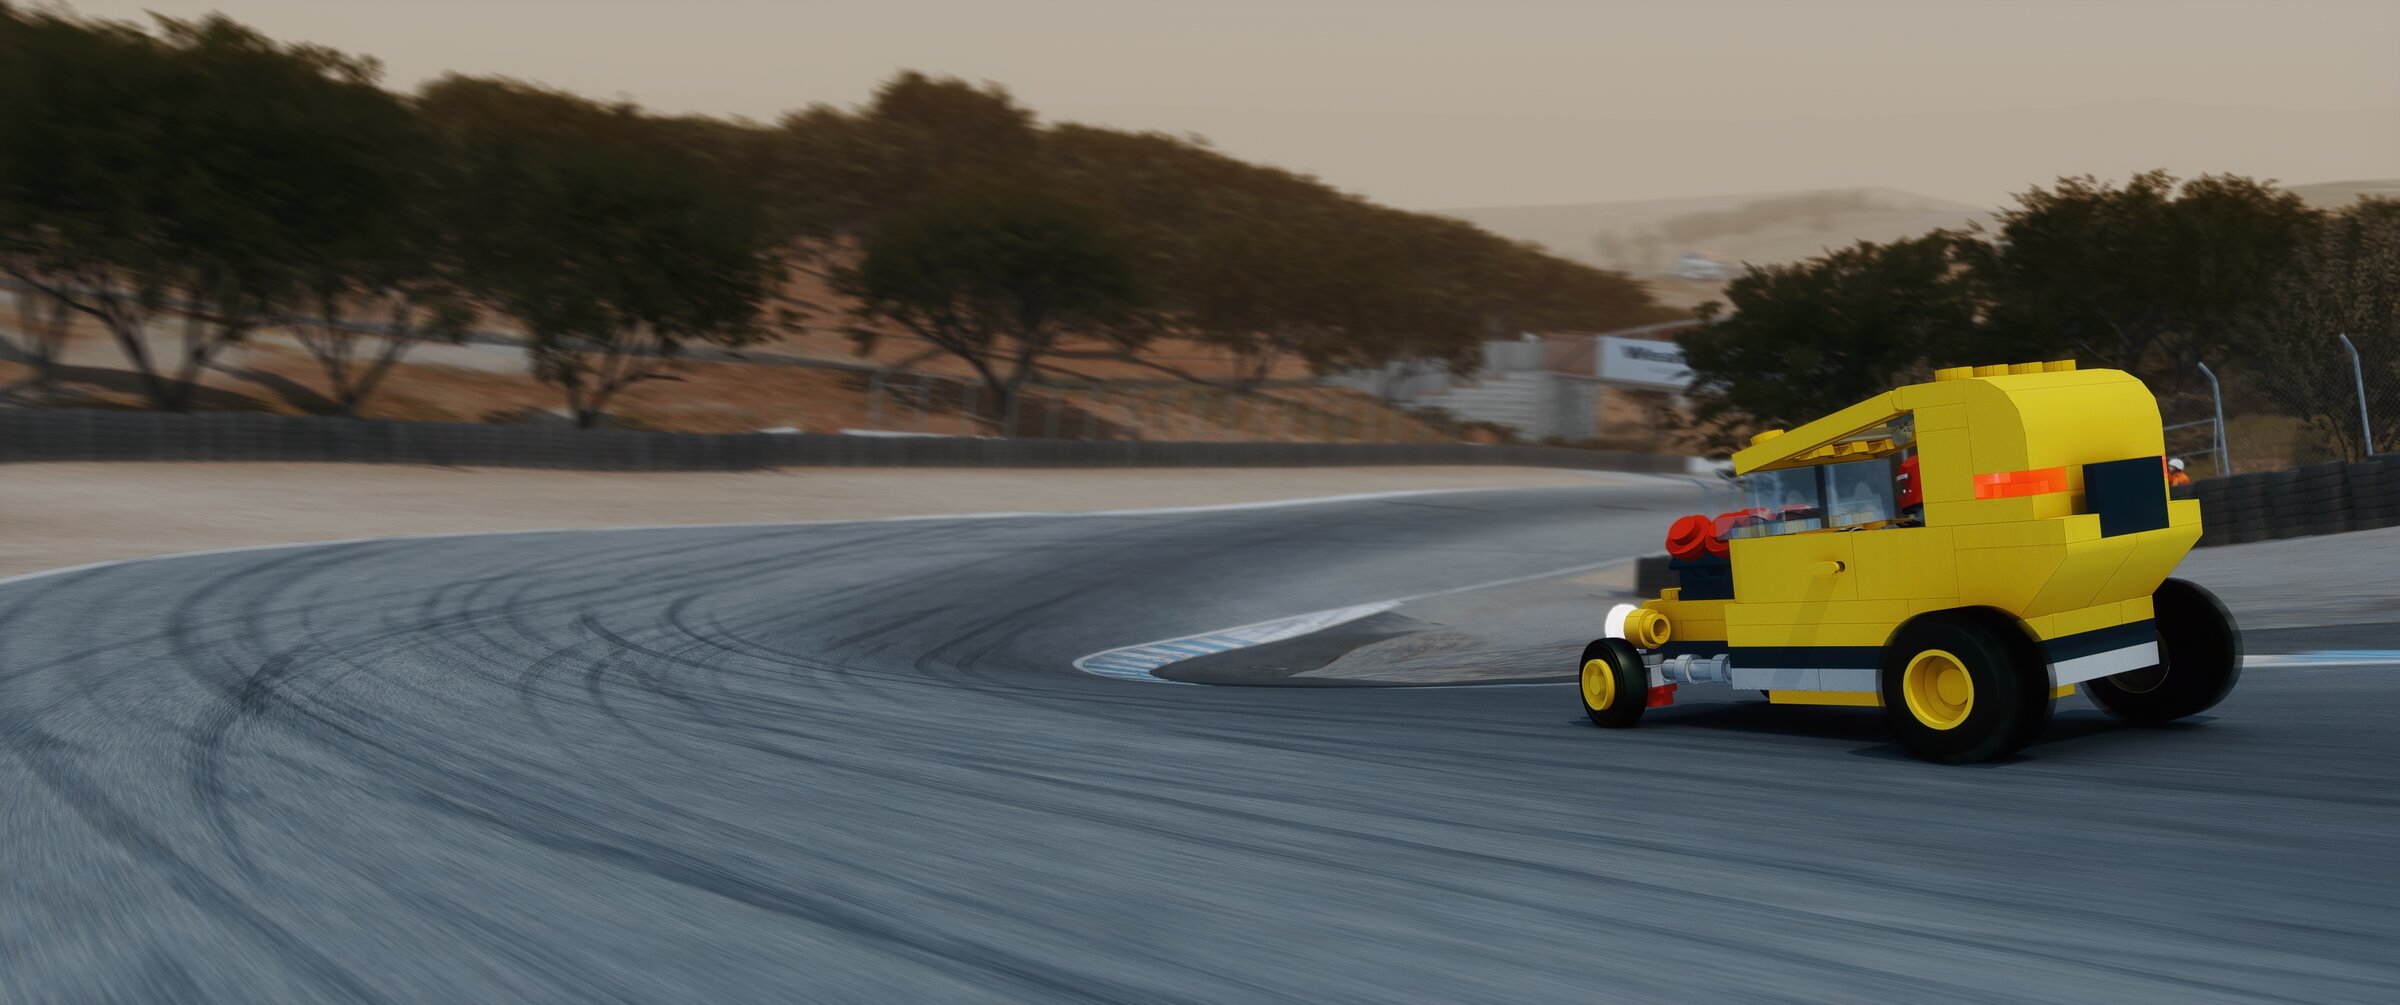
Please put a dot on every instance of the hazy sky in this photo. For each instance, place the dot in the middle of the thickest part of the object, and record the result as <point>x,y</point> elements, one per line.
<point>1504,102</point>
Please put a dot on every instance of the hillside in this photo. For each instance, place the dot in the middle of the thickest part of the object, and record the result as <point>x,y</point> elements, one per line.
<point>1644,237</point>
<point>1647,235</point>
<point>815,384</point>
<point>2337,194</point>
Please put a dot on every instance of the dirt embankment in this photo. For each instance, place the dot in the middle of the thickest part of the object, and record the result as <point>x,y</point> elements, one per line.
<point>54,515</point>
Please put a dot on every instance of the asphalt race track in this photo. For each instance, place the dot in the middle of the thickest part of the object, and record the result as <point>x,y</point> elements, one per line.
<point>851,762</point>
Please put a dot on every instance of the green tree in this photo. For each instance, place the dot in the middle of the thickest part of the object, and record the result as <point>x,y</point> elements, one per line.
<point>2344,281</point>
<point>362,324</point>
<point>998,280</point>
<point>1229,249</point>
<point>1268,265</point>
<point>600,231</point>
<point>1794,342</point>
<point>375,279</point>
<point>833,176</point>
<point>204,168</point>
<point>1273,266</point>
<point>82,159</point>
<point>275,153</point>
<point>2151,277</point>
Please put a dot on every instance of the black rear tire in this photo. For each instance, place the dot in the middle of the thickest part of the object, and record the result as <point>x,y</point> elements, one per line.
<point>1613,683</point>
<point>2200,659</point>
<point>1957,691</point>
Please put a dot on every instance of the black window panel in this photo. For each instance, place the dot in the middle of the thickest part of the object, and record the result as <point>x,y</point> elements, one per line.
<point>2128,495</point>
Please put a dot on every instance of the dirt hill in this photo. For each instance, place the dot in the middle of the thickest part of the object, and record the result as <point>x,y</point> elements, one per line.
<point>2337,194</point>
<point>1647,235</point>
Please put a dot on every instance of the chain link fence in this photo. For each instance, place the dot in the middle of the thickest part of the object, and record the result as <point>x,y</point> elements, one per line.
<point>2287,411</point>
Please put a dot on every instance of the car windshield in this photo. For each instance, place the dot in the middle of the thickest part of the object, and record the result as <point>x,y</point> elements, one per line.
<point>1861,492</point>
<point>1780,502</point>
<point>1834,495</point>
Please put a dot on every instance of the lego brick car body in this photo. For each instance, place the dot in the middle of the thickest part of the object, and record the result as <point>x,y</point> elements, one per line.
<point>1959,552</point>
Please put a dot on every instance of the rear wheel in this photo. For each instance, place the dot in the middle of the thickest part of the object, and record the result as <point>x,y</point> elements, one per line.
<point>1614,683</point>
<point>1956,691</point>
<point>2199,660</point>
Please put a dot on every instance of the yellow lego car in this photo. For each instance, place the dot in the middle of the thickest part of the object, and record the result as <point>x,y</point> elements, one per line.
<point>1960,553</point>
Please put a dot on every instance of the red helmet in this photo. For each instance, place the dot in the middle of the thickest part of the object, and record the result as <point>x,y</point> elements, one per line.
<point>1908,485</point>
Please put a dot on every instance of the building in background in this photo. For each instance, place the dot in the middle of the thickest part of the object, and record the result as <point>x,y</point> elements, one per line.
<point>1695,266</point>
<point>1572,386</point>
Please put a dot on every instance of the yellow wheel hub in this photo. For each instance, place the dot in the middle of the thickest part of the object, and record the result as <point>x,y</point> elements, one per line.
<point>1599,684</point>
<point>1936,686</point>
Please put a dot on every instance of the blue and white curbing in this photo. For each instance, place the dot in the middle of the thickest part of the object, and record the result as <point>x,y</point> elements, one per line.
<point>1138,662</point>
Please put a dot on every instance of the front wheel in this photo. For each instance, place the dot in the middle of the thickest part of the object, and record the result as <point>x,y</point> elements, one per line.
<point>2199,660</point>
<point>1956,692</point>
<point>1615,684</point>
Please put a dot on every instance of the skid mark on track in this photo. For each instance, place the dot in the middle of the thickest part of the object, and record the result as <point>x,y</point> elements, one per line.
<point>774,524</point>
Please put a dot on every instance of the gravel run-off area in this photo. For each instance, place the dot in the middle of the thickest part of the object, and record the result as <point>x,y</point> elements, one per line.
<point>54,515</point>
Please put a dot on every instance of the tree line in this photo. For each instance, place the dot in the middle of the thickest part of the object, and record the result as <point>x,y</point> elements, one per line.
<point>2154,276</point>
<point>190,183</point>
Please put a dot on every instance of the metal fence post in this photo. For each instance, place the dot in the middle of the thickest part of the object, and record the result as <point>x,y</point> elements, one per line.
<point>875,401</point>
<point>1049,418</point>
<point>2216,394</point>
<point>967,401</point>
<point>2358,372</point>
<point>924,402</point>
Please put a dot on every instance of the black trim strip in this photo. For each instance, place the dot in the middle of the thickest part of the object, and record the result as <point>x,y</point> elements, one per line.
<point>2100,640</point>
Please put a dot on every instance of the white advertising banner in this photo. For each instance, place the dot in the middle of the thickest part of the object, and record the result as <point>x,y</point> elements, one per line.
<point>1642,362</point>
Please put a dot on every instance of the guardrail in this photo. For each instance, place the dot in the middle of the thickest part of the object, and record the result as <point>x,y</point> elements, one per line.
<point>80,435</point>
<point>2317,499</point>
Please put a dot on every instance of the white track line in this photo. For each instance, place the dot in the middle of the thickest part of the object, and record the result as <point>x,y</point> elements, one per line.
<point>2349,659</point>
<point>1000,515</point>
<point>1141,660</point>
<point>2324,658</point>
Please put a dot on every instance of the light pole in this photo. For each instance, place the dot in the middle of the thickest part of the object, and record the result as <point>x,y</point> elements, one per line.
<point>2358,372</point>
<point>2217,395</point>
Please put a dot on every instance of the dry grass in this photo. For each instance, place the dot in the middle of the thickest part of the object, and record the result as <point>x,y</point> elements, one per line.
<point>54,515</point>
<point>491,384</point>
